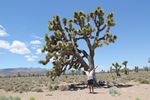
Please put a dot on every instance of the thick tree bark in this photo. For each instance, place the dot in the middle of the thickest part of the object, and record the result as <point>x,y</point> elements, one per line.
<point>92,65</point>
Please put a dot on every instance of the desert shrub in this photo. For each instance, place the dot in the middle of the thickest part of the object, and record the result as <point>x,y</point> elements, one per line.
<point>15,98</point>
<point>8,88</point>
<point>137,98</point>
<point>3,98</point>
<point>55,87</point>
<point>64,87</point>
<point>114,91</point>
<point>144,81</point>
<point>32,98</point>
<point>38,90</point>
<point>22,84</point>
<point>82,83</point>
<point>50,87</point>
<point>9,98</point>
<point>22,88</point>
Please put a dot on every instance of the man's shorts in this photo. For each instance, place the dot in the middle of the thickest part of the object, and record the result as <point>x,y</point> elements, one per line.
<point>90,82</point>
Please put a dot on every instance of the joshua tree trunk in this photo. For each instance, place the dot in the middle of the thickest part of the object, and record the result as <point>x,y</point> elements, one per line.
<point>91,59</point>
<point>92,65</point>
<point>118,74</point>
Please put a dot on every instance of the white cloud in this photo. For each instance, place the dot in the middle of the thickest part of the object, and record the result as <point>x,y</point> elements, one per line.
<point>19,47</point>
<point>3,31</point>
<point>4,44</point>
<point>38,37</point>
<point>35,42</point>
<point>16,47</point>
<point>30,57</point>
<point>38,51</point>
<point>35,47</point>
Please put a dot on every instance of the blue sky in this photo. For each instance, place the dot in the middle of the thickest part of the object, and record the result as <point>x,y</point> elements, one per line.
<point>23,24</point>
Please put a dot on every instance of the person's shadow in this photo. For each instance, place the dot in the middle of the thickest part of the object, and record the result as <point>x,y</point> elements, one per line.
<point>94,93</point>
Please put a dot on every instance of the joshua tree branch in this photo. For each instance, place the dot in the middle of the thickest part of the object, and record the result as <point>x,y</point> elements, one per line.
<point>76,55</point>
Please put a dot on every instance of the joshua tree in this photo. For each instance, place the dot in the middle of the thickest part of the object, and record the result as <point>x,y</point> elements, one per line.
<point>146,68</point>
<point>126,70</point>
<point>136,69</point>
<point>117,68</point>
<point>148,60</point>
<point>63,45</point>
<point>111,70</point>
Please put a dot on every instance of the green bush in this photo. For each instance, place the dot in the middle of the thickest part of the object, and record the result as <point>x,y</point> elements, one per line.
<point>137,98</point>
<point>32,98</point>
<point>9,98</point>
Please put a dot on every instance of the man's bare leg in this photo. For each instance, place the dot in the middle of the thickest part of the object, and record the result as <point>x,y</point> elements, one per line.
<point>92,89</point>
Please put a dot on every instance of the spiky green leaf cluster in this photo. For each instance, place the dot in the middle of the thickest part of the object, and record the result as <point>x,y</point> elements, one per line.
<point>110,21</point>
<point>125,63</point>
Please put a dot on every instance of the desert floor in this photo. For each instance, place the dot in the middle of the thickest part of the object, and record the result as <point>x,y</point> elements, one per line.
<point>134,92</point>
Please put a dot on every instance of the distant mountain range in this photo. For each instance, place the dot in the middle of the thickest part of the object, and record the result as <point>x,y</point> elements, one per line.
<point>22,71</point>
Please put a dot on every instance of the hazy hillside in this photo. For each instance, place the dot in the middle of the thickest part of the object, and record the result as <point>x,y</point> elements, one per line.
<point>22,71</point>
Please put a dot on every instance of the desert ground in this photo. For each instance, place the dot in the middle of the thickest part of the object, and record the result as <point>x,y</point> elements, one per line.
<point>135,92</point>
<point>134,86</point>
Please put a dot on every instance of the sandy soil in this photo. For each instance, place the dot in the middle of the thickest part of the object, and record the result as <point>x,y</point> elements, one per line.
<point>141,91</point>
